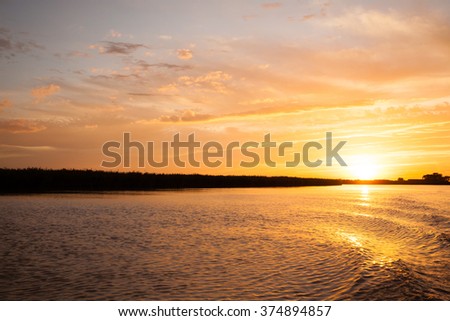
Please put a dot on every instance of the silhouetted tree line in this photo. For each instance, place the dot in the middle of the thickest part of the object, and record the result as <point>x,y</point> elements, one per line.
<point>436,178</point>
<point>32,180</point>
<point>37,180</point>
<point>429,179</point>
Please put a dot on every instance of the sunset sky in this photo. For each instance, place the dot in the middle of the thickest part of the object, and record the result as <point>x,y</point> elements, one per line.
<point>75,74</point>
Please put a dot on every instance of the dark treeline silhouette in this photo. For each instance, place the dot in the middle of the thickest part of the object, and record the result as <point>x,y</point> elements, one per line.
<point>44,180</point>
<point>37,180</point>
<point>429,179</point>
<point>436,178</point>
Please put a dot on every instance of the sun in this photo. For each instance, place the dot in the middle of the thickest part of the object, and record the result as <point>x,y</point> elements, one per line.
<point>363,167</point>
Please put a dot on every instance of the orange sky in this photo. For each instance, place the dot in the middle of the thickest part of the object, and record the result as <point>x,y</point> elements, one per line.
<point>375,74</point>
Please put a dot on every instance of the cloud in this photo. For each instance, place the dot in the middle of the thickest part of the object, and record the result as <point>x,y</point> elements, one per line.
<point>184,54</point>
<point>186,115</point>
<point>19,126</point>
<point>271,5</point>
<point>168,88</point>
<point>214,80</point>
<point>144,94</point>
<point>171,66</point>
<point>259,101</point>
<point>5,103</point>
<point>40,93</point>
<point>370,55</point>
<point>78,54</point>
<point>9,46</point>
<point>27,148</point>
<point>388,24</point>
<point>117,48</point>
<point>138,74</point>
<point>143,65</point>
<point>308,17</point>
<point>324,8</point>
<point>132,72</point>
<point>15,151</point>
<point>165,37</point>
<point>73,54</point>
<point>115,34</point>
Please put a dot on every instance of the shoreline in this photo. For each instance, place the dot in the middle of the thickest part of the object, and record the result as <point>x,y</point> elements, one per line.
<point>35,180</point>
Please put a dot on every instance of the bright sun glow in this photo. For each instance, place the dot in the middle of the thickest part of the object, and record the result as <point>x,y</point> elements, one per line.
<point>363,167</point>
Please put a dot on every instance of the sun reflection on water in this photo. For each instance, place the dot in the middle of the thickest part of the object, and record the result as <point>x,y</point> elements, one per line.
<point>364,190</point>
<point>381,252</point>
<point>364,214</point>
<point>382,260</point>
<point>353,239</point>
<point>364,195</point>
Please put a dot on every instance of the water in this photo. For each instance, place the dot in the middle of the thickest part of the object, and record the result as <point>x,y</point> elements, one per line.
<point>307,243</point>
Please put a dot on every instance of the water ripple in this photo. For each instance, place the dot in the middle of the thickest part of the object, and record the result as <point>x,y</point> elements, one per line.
<point>327,243</point>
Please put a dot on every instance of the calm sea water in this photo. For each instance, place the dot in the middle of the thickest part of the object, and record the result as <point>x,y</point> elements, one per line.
<point>307,243</point>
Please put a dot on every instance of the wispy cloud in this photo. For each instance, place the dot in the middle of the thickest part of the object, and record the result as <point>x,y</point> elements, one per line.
<point>144,94</point>
<point>308,17</point>
<point>19,151</point>
<point>170,88</point>
<point>10,47</point>
<point>73,54</point>
<point>171,66</point>
<point>214,80</point>
<point>186,115</point>
<point>249,17</point>
<point>184,54</point>
<point>144,65</point>
<point>165,37</point>
<point>271,5</point>
<point>115,34</point>
<point>40,93</point>
<point>28,148</point>
<point>18,126</point>
<point>5,103</point>
<point>388,24</point>
<point>117,48</point>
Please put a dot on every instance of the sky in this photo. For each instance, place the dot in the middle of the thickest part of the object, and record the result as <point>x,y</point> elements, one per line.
<point>376,74</point>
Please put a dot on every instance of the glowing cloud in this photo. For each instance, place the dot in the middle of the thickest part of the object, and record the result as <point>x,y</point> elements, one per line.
<point>115,34</point>
<point>165,37</point>
<point>40,93</point>
<point>184,54</point>
<point>17,126</point>
<point>186,115</point>
<point>5,103</point>
<point>271,5</point>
